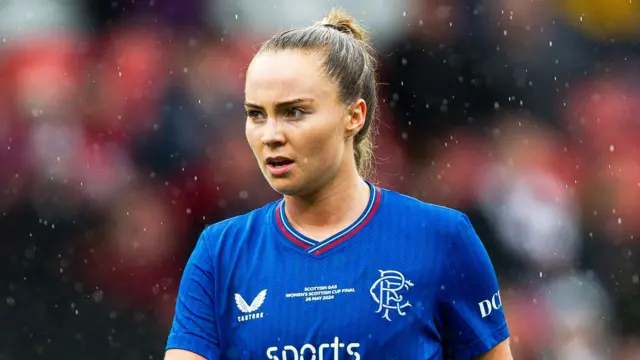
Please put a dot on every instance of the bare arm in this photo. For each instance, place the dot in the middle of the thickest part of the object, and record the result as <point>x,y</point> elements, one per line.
<point>501,351</point>
<point>176,354</point>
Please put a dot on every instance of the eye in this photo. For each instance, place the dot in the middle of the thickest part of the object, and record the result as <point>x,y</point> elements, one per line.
<point>254,115</point>
<point>294,113</point>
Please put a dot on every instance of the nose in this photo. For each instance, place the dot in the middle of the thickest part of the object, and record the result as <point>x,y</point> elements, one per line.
<point>272,135</point>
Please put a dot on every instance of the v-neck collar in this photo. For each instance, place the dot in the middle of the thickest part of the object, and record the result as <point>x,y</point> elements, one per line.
<point>315,247</point>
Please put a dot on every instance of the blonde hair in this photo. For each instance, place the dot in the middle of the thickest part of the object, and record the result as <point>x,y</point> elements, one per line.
<point>349,61</point>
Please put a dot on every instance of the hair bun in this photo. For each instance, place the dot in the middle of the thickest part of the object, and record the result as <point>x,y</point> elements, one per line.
<point>339,20</point>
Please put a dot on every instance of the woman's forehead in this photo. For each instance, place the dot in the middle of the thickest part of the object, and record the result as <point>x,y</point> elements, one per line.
<point>274,76</point>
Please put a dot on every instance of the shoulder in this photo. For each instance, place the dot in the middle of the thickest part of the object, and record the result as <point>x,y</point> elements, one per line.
<point>440,228</point>
<point>237,227</point>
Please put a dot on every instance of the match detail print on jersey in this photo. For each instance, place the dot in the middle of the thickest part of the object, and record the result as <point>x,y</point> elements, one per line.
<point>318,247</point>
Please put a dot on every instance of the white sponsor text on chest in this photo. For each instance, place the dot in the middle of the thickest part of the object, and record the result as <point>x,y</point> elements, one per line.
<point>316,293</point>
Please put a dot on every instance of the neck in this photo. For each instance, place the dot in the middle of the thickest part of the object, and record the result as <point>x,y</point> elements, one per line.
<point>336,205</point>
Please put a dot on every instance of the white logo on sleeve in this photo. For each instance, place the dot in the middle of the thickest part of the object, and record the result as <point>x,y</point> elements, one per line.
<point>250,310</point>
<point>487,306</point>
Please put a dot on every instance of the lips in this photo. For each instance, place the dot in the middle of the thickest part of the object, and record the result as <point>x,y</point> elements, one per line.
<point>279,165</point>
<point>279,161</point>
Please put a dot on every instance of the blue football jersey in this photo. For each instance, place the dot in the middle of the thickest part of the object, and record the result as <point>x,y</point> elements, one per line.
<point>407,280</point>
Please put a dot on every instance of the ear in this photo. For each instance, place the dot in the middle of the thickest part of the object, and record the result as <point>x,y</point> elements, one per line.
<point>356,116</point>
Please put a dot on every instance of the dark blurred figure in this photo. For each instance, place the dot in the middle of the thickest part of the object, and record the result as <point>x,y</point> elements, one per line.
<point>434,78</point>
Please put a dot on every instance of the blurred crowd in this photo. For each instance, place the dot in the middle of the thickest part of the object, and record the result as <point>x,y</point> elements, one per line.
<point>122,136</point>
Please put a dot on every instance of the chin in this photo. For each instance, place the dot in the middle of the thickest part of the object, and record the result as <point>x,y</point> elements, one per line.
<point>285,186</point>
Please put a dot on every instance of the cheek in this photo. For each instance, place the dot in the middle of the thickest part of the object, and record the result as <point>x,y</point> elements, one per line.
<point>253,138</point>
<point>323,144</point>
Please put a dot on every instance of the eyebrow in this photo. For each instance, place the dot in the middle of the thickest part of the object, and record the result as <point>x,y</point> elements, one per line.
<point>282,103</point>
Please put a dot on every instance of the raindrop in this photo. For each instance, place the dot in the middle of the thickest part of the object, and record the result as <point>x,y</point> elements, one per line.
<point>611,148</point>
<point>97,296</point>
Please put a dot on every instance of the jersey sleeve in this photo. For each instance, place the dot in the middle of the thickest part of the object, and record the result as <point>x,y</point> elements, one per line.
<point>470,314</point>
<point>194,325</point>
